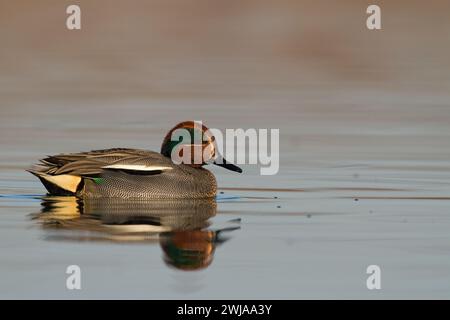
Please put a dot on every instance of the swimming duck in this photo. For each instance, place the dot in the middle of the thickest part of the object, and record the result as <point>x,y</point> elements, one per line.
<point>134,173</point>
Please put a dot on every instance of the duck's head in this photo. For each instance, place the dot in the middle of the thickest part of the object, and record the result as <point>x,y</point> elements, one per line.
<point>193,144</point>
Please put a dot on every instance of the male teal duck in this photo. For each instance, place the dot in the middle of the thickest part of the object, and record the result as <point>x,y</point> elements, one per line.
<point>133,173</point>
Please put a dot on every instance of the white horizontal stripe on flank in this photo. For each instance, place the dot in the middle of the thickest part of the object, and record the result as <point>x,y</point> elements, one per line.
<point>136,167</point>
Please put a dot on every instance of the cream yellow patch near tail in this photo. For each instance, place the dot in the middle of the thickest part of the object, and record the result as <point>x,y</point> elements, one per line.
<point>64,181</point>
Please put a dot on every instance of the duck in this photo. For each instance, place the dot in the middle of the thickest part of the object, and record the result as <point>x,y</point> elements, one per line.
<point>138,174</point>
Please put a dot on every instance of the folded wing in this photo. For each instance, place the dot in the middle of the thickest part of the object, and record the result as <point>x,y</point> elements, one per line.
<point>63,174</point>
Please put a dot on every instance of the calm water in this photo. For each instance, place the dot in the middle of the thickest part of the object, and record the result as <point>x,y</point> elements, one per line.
<point>364,153</point>
<point>308,232</point>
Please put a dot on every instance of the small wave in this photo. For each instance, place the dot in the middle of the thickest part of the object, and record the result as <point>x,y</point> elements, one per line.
<point>22,196</point>
<point>226,197</point>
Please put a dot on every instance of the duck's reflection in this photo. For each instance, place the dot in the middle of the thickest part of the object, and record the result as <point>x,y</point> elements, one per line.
<point>181,227</point>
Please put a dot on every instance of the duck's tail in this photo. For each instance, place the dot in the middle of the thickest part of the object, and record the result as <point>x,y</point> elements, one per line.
<point>60,185</point>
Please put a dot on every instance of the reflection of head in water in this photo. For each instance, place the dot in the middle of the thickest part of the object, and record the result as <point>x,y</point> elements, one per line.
<point>179,226</point>
<point>188,250</point>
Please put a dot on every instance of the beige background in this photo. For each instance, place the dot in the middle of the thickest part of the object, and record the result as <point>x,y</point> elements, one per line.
<point>362,114</point>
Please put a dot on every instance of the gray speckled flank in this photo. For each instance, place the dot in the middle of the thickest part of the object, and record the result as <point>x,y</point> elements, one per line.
<point>175,182</point>
<point>180,182</point>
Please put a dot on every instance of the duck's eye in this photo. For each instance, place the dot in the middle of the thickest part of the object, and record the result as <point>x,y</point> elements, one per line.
<point>209,152</point>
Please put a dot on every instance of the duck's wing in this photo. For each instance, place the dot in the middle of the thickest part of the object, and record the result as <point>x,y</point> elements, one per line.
<point>66,171</point>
